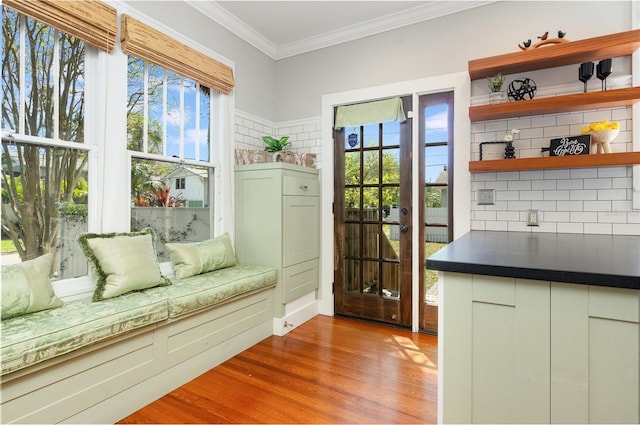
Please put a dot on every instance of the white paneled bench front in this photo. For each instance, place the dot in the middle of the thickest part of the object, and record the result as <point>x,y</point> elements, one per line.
<point>90,362</point>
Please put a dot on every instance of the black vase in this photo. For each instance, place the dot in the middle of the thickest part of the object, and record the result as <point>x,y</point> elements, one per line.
<point>509,151</point>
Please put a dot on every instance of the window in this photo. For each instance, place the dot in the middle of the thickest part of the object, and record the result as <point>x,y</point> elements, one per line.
<point>45,159</point>
<point>168,135</point>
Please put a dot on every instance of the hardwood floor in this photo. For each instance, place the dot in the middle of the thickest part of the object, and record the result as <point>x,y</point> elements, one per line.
<point>328,370</point>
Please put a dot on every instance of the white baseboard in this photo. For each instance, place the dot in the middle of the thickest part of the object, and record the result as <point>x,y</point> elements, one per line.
<point>293,319</point>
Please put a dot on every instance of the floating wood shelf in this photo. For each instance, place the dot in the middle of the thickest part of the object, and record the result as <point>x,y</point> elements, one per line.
<point>556,104</point>
<point>573,52</point>
<point>577,161</point>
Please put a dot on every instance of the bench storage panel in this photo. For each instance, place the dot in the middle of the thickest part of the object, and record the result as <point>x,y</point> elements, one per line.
<point>134,349</point>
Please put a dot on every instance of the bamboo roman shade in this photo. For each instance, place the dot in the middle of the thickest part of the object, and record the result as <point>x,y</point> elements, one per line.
<point>92,21</point>
<point>144,42</point>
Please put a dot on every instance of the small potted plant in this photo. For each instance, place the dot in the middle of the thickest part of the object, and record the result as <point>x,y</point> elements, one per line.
<point>495,85</point>
<point>276,146</point>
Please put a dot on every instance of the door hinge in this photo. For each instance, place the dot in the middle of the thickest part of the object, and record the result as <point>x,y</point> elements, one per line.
<point>333,287</point>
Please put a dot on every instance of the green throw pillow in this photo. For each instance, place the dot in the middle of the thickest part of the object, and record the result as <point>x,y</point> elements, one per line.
<point>122,262</point>
<point>26,287</point>
<point>190,259</point>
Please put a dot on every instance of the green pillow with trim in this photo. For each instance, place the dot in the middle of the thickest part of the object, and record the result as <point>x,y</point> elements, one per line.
<point>190,259</point>
<point>26,287</point>
<point>122,262</point>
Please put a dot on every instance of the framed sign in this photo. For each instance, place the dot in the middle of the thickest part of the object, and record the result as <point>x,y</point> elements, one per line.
<point>492,150</point>
<point>572,145</point>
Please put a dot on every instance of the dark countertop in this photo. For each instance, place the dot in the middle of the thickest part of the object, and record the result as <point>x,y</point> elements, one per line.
<point>603,260</point>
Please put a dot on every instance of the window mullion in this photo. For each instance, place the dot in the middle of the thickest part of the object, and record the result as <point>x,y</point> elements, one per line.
<point>145,107</point>
<point>55,69</point>
<point>23,74</point>
<point>197,141</point>
<point>181,117</point>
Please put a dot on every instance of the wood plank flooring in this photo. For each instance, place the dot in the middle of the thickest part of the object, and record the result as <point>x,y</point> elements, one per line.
<point>328,370</point>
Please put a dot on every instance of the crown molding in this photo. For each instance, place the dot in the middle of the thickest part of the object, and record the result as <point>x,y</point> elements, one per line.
<point>414,15</point>
<point>219,14</point>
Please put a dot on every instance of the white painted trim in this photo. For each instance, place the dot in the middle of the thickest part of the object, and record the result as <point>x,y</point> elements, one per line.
<point>414,15</point>
<point>460,84</point>
<point>297,312</point>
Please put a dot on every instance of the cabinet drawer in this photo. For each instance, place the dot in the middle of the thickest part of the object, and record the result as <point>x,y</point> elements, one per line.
<point>300,186</point>
<point>299,280</point>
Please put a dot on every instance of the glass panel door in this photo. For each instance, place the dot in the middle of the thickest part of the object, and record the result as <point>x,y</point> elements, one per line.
<point>436,212</point>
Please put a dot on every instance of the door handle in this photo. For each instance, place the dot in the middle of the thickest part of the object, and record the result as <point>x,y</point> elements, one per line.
<point>404,211</point>
<point>404,228</point>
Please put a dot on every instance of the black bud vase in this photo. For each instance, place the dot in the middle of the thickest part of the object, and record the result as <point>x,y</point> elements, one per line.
<point>509,151</point>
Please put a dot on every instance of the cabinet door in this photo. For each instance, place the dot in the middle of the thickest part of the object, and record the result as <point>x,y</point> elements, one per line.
<point>300,229</point>
<point>595,346</point>
<point>495,354</point>
<point>510,350</point>
<point>299,280</point>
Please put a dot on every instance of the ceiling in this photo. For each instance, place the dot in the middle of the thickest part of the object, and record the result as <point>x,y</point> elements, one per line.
<point>282,29</point>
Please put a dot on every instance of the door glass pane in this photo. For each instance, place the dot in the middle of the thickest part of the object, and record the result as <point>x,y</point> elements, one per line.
<point>352,275</point>
<point>370,240</point>
<point>371,202</point>
<point>436,159</point>
<point>436,239</point>
<point>391,133</point>
<point>371,167</point>
<point>371,135</point>
<point>352,203</point>
<point>351,138</point>
<point>351,239</point>
<point>391,241</point>
<point>436,123</point>
<point>390,287</point>
<point>435,200</point>
<point>391,166</point>
<point>390,200</point>
<point>351,168</point>
<point>370,277</point>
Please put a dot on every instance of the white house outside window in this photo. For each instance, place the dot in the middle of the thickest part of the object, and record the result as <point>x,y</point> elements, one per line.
<point>168,135</point>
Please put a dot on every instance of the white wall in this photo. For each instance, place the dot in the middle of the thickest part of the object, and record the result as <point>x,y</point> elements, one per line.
<point>437,47</point>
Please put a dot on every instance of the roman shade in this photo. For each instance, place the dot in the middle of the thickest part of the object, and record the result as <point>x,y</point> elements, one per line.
<point>91,21</point>
<point>370,113</point>
<point>144,42</point>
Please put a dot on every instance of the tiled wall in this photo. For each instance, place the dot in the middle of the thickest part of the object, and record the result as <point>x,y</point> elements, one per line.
<point>305,136</point>
<point>580,200</point>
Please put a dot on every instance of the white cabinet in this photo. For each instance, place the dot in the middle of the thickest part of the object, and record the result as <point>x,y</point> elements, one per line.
<point>524,351</point>
<point>277,224</point>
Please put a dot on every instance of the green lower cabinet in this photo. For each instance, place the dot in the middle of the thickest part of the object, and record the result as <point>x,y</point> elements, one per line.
<point>277,212</point>
<point>524,351</point>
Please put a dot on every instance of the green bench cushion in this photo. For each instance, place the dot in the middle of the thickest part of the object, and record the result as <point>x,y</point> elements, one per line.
<point>203,290</point>
<point>33,338</point>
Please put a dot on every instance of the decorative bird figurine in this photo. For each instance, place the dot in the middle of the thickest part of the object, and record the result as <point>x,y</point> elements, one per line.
<point>544,40</point>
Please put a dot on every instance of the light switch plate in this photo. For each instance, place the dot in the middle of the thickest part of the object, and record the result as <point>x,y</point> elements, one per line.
<point>486,196</point>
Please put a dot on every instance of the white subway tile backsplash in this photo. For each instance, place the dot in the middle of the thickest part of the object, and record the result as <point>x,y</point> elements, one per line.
<point>576,200</point>
<point>557,195</point>
<point>598,228</point>
<point>583,195</point>
<point>598,206</point>
<point>612,194</point>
